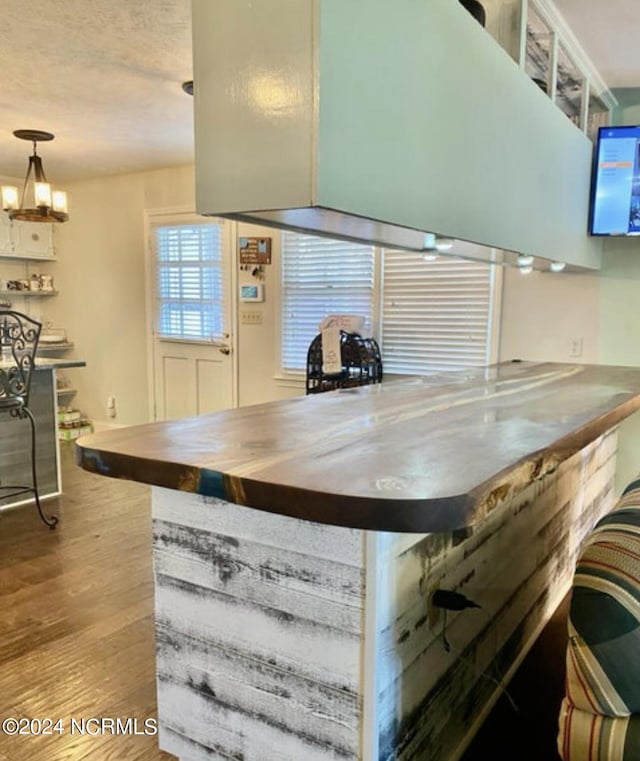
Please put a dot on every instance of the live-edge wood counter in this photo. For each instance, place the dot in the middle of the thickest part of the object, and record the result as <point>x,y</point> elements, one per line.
<point>282,637</point>
<point>433,453</point>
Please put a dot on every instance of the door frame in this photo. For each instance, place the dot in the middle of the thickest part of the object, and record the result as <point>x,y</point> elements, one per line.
<point>174,213</point>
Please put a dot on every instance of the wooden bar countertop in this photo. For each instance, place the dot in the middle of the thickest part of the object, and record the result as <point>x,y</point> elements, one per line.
<point>432,453</point>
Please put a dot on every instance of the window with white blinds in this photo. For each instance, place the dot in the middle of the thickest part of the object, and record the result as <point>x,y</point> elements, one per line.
<point>435,315</point>
<point>320,276</point>
<point>189,281</point>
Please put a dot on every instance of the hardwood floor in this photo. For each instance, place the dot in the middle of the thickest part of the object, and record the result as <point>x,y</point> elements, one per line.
<point>76,634</point>
<point>76,627</point>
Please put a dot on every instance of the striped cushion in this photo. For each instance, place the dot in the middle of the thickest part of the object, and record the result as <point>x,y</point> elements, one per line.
<point>588,737</point>
<point>600,716</point>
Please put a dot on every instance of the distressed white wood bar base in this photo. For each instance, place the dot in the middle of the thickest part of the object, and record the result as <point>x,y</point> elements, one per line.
<point>280,639</point>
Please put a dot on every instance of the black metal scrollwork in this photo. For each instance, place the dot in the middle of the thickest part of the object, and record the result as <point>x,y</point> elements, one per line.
<point>19,336</point>
<point>361,364</point>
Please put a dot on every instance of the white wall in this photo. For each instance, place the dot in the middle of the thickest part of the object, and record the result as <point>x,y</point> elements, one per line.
<point>100,274</point>
<point>100,279</point>
<point>257,346</point>
<point>545,313</point>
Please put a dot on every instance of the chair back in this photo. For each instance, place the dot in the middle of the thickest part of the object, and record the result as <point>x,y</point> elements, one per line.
<point>360,359</point>
<point>19,335</point>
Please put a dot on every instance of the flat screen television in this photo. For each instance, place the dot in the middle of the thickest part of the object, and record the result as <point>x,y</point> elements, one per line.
<point>615,187</point>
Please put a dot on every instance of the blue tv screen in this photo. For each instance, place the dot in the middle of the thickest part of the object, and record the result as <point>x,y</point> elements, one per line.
<point>615,189</point>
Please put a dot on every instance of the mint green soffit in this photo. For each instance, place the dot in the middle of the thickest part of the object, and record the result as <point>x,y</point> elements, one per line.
<point>382,121</point>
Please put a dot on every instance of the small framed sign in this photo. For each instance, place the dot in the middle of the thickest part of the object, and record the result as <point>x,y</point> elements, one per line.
<point>255,250</point>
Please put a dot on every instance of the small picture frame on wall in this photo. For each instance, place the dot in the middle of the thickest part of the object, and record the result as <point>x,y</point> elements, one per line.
<point>255,250</point>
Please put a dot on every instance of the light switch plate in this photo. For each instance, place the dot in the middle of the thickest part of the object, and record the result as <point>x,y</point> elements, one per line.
<point>250,317</point>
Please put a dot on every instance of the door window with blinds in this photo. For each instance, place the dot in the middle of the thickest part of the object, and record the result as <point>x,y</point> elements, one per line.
<point>432,316</point>
<point>189,281</point>
<point>435,315</point>
<point>321,276</point>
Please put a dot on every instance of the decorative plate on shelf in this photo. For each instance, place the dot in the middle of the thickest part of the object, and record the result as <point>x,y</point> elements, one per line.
<point>53,336</point>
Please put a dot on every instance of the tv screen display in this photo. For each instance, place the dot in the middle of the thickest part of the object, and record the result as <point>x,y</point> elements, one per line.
<point>615,192</point>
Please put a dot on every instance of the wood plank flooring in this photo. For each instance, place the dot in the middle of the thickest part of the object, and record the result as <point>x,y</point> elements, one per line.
<point>76,620</point>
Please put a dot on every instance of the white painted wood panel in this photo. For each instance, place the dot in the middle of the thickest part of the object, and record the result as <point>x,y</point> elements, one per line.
<point>191,510</point>
<point>174,385</point>
<point>258,630</point>
<point>307,587</point>
<point>211,375</point>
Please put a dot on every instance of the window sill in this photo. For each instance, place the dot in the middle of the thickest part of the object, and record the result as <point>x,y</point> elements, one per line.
<point>290,381</point>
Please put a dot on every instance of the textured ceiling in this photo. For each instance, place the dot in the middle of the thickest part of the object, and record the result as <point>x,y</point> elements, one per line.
<point>609,31</point>
<point>105,75</point>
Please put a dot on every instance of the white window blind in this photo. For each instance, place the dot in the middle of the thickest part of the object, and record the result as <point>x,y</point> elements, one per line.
<point>189,281</point>
<point>435,315</point>
<point>320,276</point>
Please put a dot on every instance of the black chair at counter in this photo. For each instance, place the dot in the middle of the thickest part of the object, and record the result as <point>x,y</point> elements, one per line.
<point>360,359</point>
<point>19,335</point>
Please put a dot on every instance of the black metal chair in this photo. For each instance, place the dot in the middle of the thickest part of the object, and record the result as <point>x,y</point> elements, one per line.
<point>19,336</point>
<point>361,364</point>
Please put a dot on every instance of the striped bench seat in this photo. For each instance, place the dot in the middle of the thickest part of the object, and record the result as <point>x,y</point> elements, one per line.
<point>600,714</point>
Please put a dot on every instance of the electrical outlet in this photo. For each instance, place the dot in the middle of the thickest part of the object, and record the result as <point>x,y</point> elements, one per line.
<point>575,347</point>
<point>251,317</point>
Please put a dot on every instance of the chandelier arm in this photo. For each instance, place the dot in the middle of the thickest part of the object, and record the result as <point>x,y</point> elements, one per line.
<point>26,182</point>
<point>38,169</point>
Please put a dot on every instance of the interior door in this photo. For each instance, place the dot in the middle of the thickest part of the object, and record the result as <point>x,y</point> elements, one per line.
<point>192,343</point>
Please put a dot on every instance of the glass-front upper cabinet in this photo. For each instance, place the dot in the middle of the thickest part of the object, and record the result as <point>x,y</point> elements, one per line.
<point>556,62</point>
<point>538,38</point>
<point>503,19</point>
<point>540,51</point>
<point>570,87</point>
<point>599,115</point>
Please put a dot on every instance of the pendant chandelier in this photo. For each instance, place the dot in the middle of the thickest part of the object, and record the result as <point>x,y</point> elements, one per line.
<point>48,205</point>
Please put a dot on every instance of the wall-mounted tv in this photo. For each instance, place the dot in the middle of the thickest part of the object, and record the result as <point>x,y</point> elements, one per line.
<point>615,187</point>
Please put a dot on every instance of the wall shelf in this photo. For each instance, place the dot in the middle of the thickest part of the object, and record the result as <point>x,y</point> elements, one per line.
<point>51,348</point>
<point>7,256</point>
<point>26,294</point>
<point>66,391</point>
